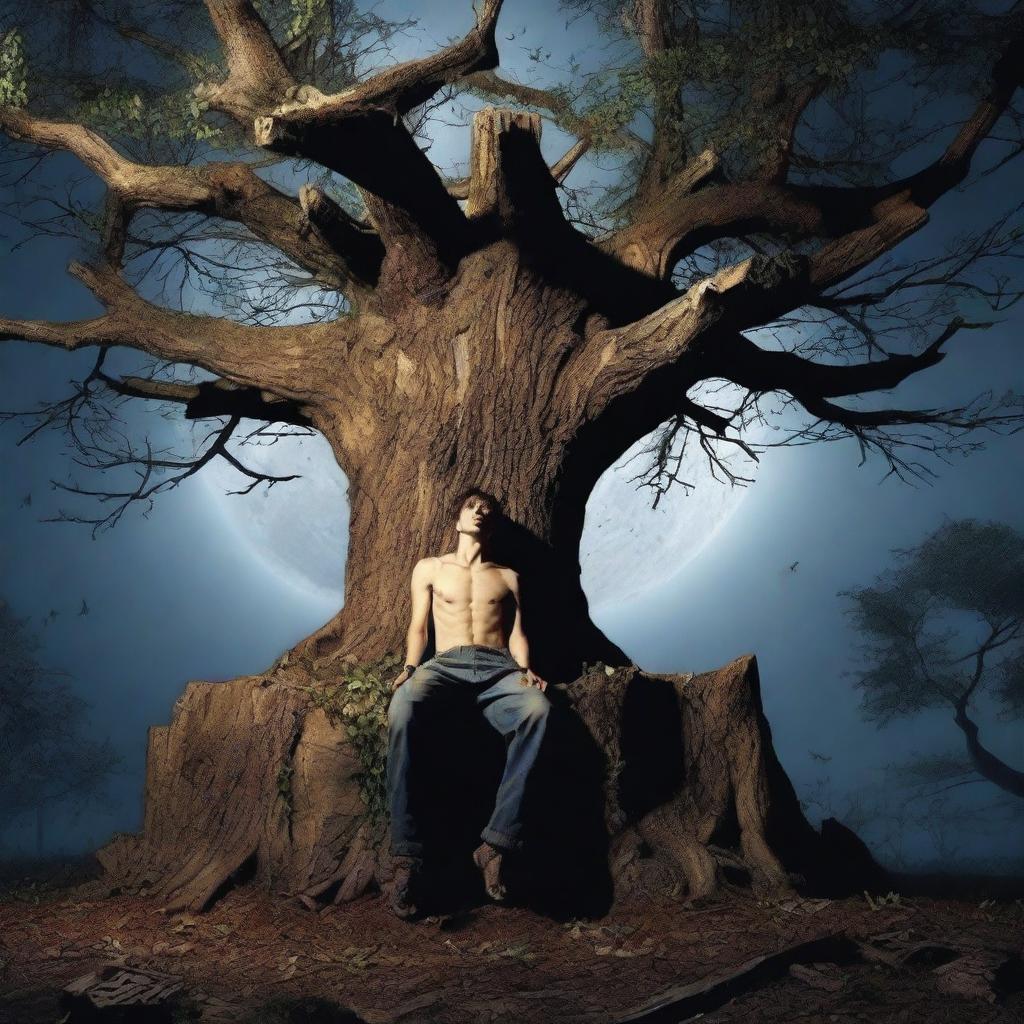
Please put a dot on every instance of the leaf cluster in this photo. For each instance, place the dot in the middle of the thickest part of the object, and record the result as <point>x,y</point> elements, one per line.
<point>123,111</point>
<point>13,71</point>
<point>964,567</point>
<point>358,701</point>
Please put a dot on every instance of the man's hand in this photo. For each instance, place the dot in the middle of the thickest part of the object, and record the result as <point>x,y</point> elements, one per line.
<point>399,679</point>
<point>530,678</point>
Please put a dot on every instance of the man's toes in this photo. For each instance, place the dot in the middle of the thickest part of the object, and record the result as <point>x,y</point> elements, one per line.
<point>489,861</point>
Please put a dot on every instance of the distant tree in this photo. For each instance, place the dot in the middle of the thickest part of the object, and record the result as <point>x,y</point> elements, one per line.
<point>44,759</point>
<point>963,567</point>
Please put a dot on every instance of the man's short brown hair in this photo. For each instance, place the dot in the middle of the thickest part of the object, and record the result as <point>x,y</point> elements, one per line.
<point>475,492</point>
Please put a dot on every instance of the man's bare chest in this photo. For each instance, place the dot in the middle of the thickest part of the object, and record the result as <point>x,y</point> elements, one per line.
<point>458,586</point>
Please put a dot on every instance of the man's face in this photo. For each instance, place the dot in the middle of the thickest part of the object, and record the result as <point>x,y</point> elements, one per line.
<point>476,517</point>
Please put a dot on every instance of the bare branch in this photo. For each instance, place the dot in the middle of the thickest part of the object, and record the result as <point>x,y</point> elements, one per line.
<point>212,398</point>
<point>146,490</point>
<point>758,369</point>
<point>292,362</point>
<point>192,63</point>
<point>615,362</point>
<point>228,190</point>
<point>395,90</point>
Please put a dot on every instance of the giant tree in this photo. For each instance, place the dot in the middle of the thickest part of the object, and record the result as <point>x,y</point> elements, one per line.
<point>503,330</point>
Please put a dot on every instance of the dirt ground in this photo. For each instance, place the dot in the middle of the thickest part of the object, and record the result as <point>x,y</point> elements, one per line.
<point>258,958</point>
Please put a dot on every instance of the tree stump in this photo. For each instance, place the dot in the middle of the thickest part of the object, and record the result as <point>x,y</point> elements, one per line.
<point>646,781</point>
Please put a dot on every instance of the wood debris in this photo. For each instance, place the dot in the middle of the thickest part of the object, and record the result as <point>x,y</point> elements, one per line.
<point>114,986</point>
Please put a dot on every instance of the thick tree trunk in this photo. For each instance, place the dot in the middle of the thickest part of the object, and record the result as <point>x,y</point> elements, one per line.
<point>392,525</point>
<point>445,399</point>
<point>646,780</point>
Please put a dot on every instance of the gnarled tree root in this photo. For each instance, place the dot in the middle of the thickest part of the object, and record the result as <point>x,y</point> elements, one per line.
<point>665,780</point>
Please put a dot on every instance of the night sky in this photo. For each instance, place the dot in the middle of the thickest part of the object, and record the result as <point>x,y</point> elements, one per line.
<point>178,595</point>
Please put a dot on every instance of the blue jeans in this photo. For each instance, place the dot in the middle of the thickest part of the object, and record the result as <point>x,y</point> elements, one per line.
<point>490,677</point>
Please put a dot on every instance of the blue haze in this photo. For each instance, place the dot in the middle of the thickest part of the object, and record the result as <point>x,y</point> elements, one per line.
<point>178,596</point>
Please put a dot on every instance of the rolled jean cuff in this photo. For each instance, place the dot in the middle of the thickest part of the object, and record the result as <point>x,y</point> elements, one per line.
<point>501,839</point>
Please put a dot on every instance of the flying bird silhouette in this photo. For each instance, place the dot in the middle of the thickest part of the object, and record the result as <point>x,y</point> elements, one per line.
<point>819,757</point>
<point>27,500</point>
<point>85,608</point>
<point>792,568</point>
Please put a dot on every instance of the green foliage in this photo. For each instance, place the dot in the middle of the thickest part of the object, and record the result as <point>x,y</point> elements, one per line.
<point>304,14</point>
<point>606,115</point>
<point>359,701</point>
<point>13,79</point>
<point>122,111</point>
<point>301,17</point>
<point>730,78</point>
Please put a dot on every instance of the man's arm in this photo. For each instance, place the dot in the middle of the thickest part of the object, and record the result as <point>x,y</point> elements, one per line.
<point>518,646</point>
<point>416,638</point>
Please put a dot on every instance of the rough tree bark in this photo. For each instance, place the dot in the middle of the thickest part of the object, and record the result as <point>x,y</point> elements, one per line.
<point>650,782</point>
<point>494,346</point>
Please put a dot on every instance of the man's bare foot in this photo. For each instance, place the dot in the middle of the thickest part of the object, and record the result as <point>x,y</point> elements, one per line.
<point>402,896</point>
<point>488,859</point>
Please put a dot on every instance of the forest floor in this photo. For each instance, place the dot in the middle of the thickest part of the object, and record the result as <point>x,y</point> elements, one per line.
<point>262,959</point>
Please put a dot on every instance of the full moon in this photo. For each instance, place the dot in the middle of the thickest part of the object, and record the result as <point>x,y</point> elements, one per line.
<point>299,528</point>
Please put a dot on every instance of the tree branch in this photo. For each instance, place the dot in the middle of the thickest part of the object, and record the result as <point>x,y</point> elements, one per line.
<point>655,34</point>
<point>357,133</point>
<point>791,105</point>
<point>145,491</point>
<point>613,363</point>
<point>258,76</point>
<point>863,222</point>
<point>758,369</point>
<point>211,398</point>
<point>396,90</point>
<point>459,189</point>
<point>295,362</point>
<point>349,261</point>
<point>1006,778</point>
<point>556,103</point>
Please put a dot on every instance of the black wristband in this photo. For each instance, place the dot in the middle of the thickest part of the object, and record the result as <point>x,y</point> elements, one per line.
<point>410,668</point>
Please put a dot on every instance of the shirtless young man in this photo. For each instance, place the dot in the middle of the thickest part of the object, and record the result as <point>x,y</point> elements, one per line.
<point>479,659</point>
